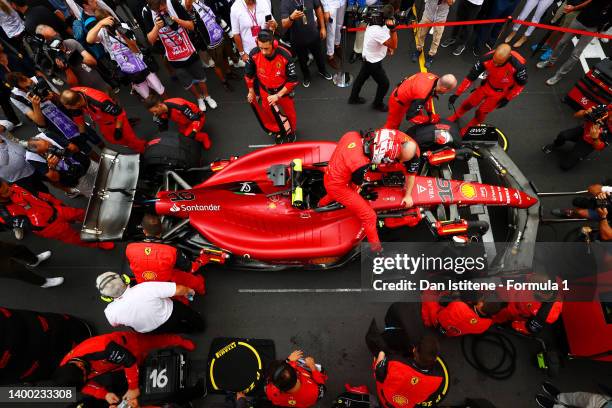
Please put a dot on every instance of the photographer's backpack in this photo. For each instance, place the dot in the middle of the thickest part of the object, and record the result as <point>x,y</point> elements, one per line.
<point>595,88</point>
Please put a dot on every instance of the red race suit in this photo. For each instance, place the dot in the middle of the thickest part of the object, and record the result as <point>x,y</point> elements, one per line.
<point>105,112</point>
<point>413,99</point>
<point>346,170</point>
<point>402,384</point>
<point>456,319</point>
<point>46,216</point>
<point>502,84</point>
<point>153,260</point>
<point>119,351</point>
<point>189,119</point>
<point>529,317</point>
<point>271,74</point>
<point>306,396</point>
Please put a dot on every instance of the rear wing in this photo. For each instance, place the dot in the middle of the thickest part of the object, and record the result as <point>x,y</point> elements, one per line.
<point>110,205</point>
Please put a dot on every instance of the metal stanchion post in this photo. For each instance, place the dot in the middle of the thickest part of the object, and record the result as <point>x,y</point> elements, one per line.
<point>343,79</point>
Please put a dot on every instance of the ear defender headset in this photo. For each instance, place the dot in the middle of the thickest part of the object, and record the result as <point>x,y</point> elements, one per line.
<point>126,279</point>
<point>266,35</point>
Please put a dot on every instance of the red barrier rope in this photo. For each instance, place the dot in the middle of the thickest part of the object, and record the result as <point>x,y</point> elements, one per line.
<point>494,21</point>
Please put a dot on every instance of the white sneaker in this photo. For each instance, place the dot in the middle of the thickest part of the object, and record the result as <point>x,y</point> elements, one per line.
<point>209,64</point>
<point>553,79</point>
<point>51,282</point>
<point>201,104</point>
<point>42,257</point>
<point>57,81</point>
<point>544,64</point>
<point>19,234</point>
<point>211,102</point>
<point>239,64</point>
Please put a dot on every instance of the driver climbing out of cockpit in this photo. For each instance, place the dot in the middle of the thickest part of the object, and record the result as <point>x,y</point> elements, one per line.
<point>354,156</point>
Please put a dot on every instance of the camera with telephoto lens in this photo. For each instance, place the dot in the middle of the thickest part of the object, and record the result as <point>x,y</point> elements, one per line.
<point>117,28</point>
<point>597,113</point>
<point>592,203</point>
<point>55,51</point>
<point>40,89</point>
<point>58,152</point>
<point>168,21</point>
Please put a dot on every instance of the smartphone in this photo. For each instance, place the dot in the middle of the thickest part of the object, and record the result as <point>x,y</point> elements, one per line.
<point>268,17</point>
<point>300,8</point>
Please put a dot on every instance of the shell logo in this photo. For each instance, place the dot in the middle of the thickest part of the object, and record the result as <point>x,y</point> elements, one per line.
<point>468,190</point>
<point>149,275</point>
<point>400,400</point>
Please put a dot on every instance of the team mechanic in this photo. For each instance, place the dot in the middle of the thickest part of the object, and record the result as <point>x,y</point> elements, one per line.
<point>44,214</point>
<point>152,260</point>
<point>506,78</point>
<point>272,67</point>
<point>111,118</point>
<point>413,98</point>
<point>98,365</point>
<point>404,382</point>
<point>356,154</point>
<point>187,116</point>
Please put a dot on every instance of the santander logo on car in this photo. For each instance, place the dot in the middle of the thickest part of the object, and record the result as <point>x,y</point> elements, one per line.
<point>195,207</point>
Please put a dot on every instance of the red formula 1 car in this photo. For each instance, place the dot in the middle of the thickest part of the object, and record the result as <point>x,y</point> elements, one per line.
<point>261,210</point>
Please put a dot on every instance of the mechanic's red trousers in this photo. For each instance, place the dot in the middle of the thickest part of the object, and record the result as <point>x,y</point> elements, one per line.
<point>128,136</point>
<point>356,204</point>
<point>264,110</point>
<point>61,229</point>
<point>396,114</point>
<point>486,98</point>
<point>203,138</point>
<point>191,280</point>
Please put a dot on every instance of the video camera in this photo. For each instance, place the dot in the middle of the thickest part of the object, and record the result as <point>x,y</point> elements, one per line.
<point>597,113</point>
<point>373,15</point>
<point>592,203</point>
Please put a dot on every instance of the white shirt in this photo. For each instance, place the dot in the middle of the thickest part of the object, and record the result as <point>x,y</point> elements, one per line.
<point>143,307</point>
<point>242,21</point>
<point>11,23</point>
<point>373,48</point>
<point>476,2</point>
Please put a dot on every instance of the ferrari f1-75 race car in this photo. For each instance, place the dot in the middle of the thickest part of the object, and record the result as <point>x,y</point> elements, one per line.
<point>262,210</point>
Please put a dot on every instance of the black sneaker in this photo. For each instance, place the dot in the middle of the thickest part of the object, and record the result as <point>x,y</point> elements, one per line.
<point>459,50</point>
<point>476,51</point>
<point>561,213</point>
<point>428,61</point>
<point>357,101</point>
<point>548,149</point>
<point>326,75</point>
<point>414,57</point>
<point>306,83</point>
<point>544,402</point>
<point>548,387</point>
<point>354,57</point>
<point>448,42</point>
<point>381,107</point>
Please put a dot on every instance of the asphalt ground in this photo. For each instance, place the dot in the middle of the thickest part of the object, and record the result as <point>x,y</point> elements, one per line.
<point>331,326</point>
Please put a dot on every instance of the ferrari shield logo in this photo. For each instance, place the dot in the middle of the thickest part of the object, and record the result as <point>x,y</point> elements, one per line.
<point>292,402</point>
<point>473,320</point>
<point>414,380</point>
<point>351,145</point>
<point>147,251</point>
<point>400,400</point>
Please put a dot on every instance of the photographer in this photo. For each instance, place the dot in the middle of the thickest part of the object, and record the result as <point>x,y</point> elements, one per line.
<point>380,39</point>
<point>62,164</point>
<point>34,98</point>
<point>13,165</point>
<point>121,44</point>
<point>593,134</point>
<point>168,22</point>
<point>597,207</point>
<point>71,58</point>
